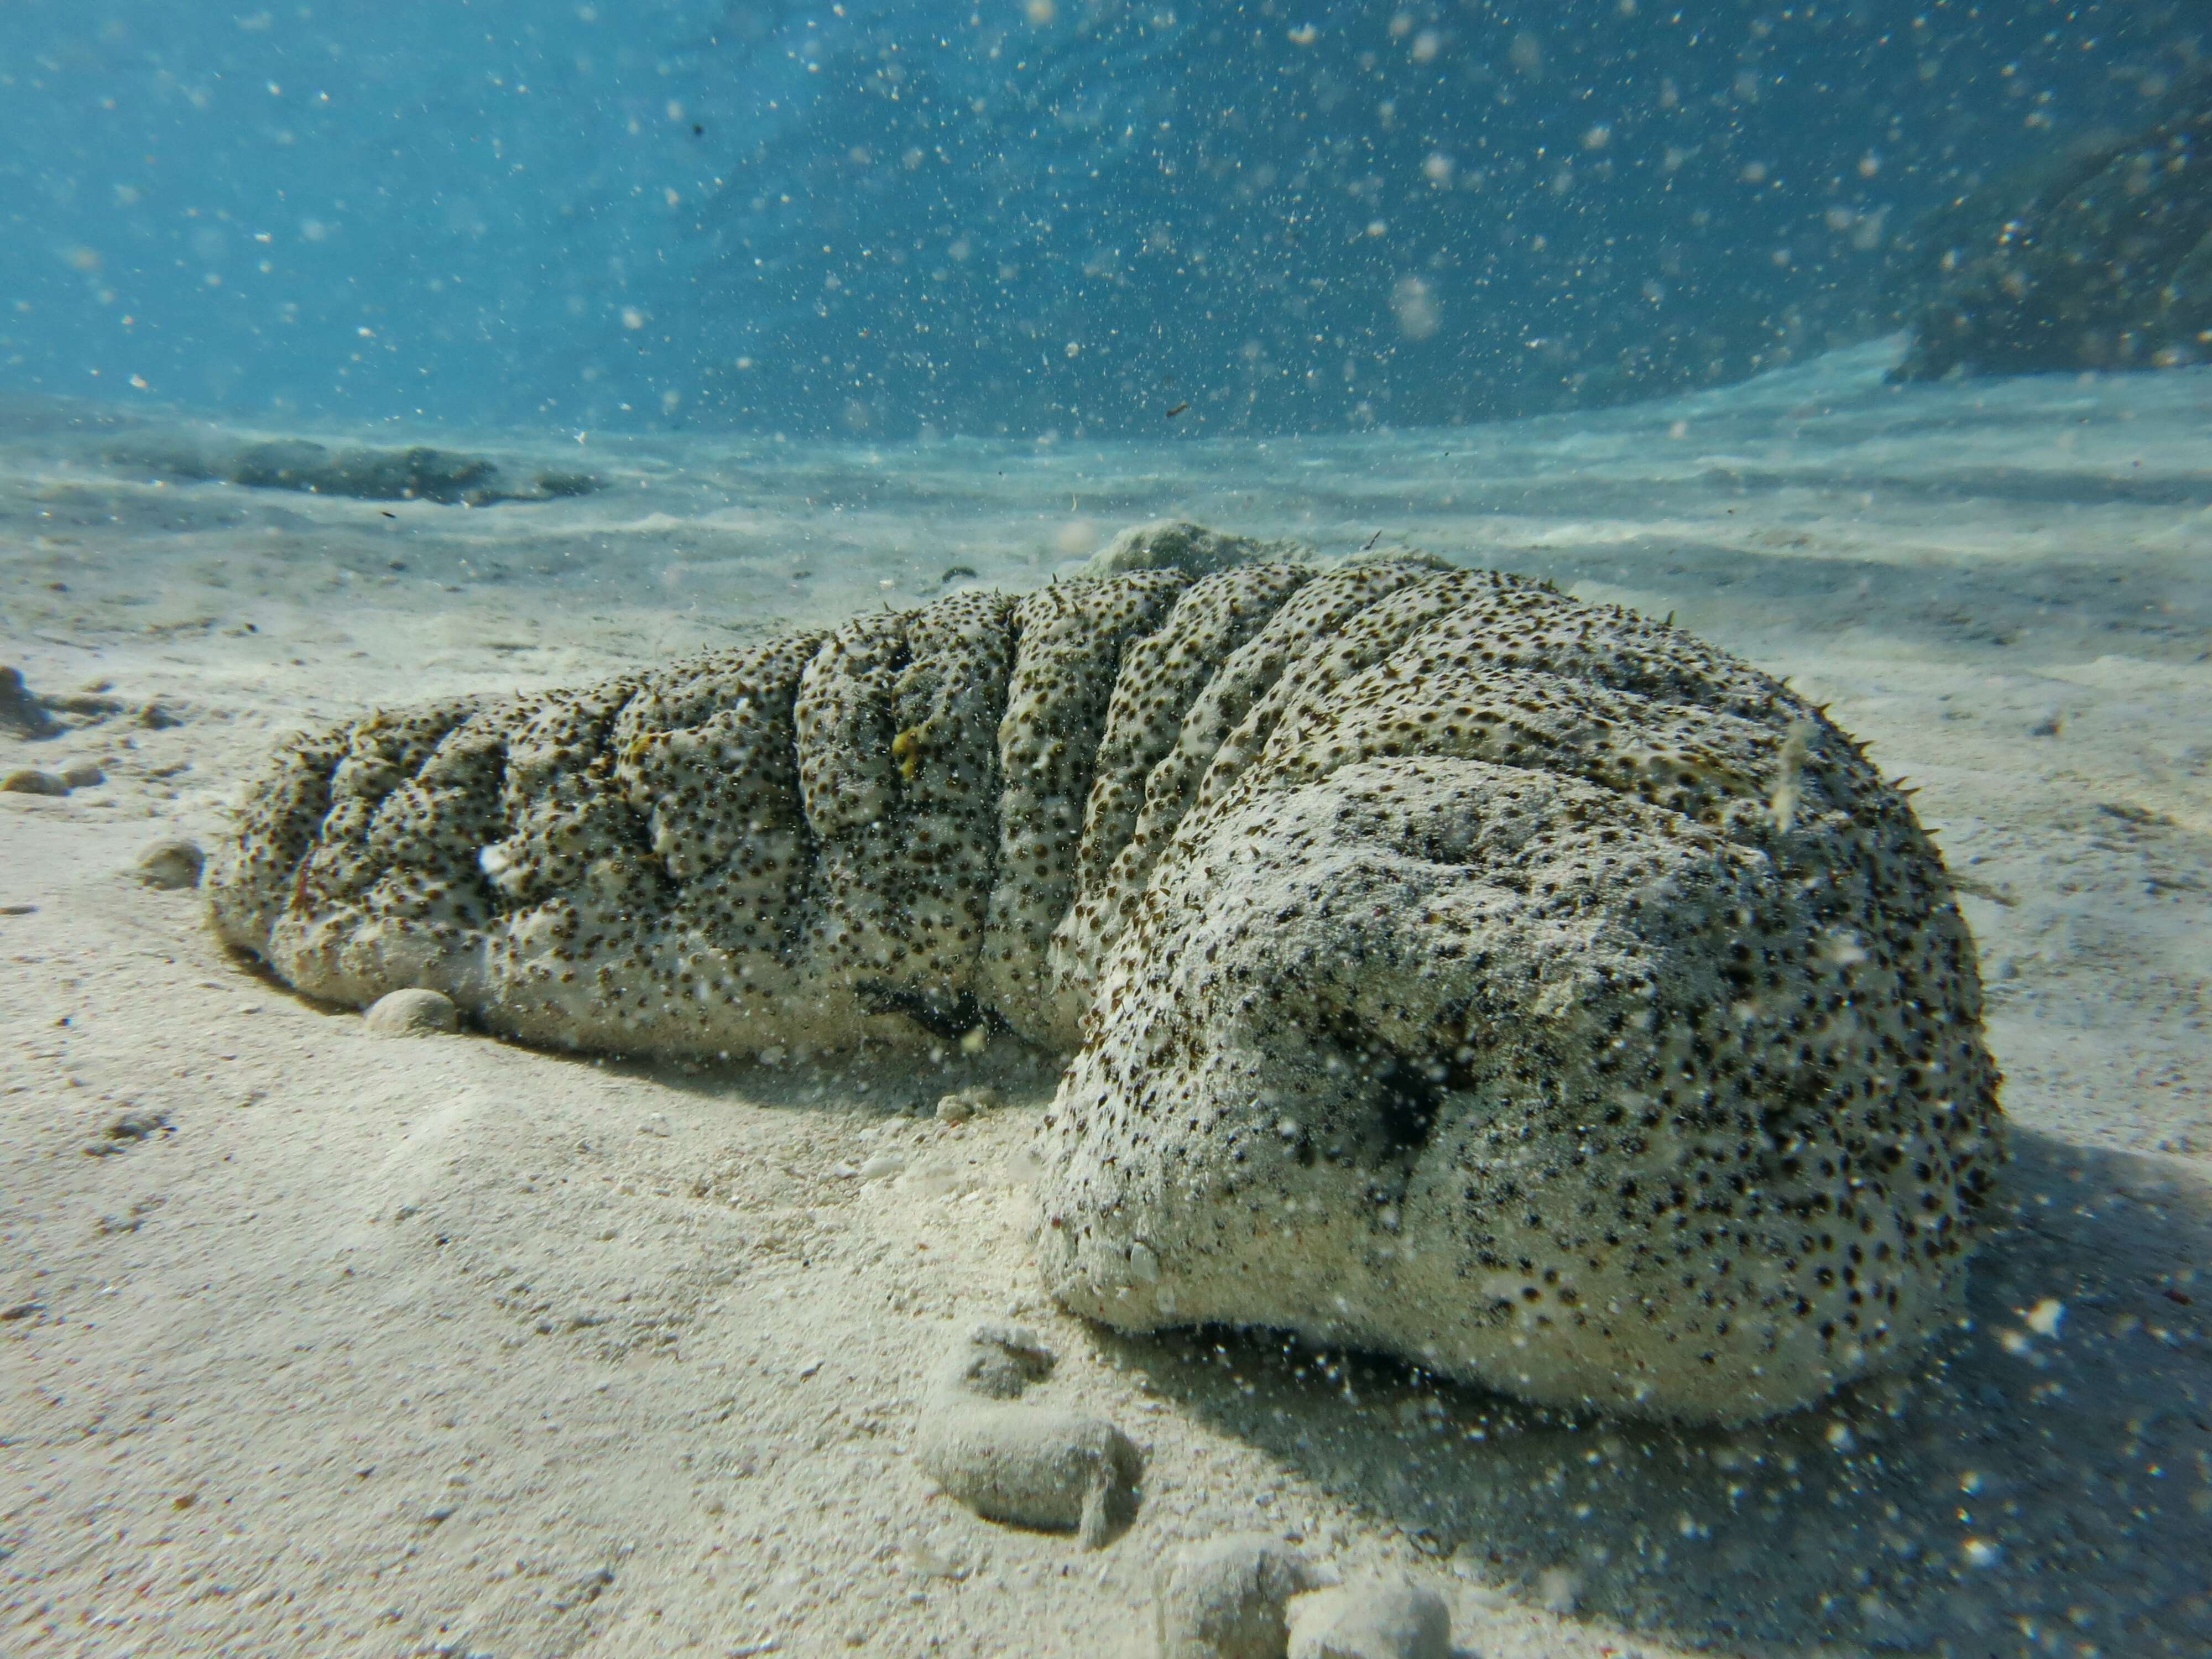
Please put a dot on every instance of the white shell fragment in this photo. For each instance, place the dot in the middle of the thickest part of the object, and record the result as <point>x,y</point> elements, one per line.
<point>412,1013</point>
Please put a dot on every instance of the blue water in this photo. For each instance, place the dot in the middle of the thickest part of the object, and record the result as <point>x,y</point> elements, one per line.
<point>1067,216</point>
<point>852,305</point>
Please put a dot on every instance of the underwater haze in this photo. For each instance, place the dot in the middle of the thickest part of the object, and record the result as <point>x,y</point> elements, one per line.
<point>543,475</point>
<point>1071,216</point>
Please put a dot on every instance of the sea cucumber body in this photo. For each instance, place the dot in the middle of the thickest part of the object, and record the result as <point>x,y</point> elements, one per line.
<point>1448,966</point>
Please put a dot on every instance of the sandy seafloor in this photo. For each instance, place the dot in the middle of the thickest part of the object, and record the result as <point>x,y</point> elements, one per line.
<point>399,1347</point>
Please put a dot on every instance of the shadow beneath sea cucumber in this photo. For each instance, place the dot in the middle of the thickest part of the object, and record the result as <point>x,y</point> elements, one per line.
<point>2042,1485</point>
<point>872,1080</point>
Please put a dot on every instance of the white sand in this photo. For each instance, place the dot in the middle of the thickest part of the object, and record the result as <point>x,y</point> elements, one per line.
<point>439,1346</point>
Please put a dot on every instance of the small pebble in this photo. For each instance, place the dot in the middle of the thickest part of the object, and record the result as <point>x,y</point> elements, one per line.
<point>1224,1598</point>
<point>937,1557</point>
<point>965,1104</point>
<point>1031,1465</point>
<point>1389,1618</point>
<point>997,1362</point>
<point>29,780</point>
<point>412,1013</point>
<point>21,710</point>
<point>1027,1465</point>
<point>83,773</point>
<point>155,718</point>
<point>172,863</point>
<point>122,1132</point>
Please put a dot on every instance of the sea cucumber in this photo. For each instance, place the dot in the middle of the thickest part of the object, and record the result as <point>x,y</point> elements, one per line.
<point>1449,967</point>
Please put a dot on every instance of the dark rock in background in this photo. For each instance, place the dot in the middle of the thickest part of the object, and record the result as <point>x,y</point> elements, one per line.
<point>417,473</point>
<point>2097,258</point>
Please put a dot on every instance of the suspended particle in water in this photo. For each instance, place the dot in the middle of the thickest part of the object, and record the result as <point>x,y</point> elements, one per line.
<point>1415,306</point>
